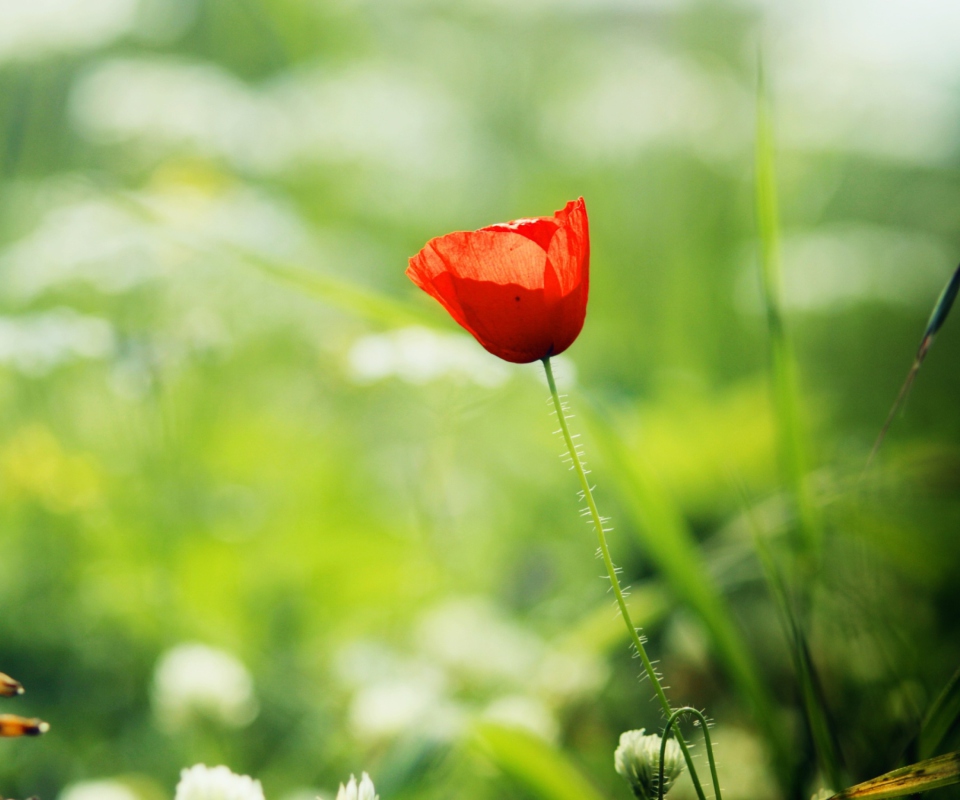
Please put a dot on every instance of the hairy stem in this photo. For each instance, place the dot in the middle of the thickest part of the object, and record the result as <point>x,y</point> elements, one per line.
<point>587,492</point>
<point>706,738</point>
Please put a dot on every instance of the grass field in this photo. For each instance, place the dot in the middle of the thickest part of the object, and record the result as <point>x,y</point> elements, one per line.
<point>262,504</point>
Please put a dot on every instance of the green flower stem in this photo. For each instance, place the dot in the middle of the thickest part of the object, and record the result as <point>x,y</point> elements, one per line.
<point>706,738</point>
<point>612,570</point>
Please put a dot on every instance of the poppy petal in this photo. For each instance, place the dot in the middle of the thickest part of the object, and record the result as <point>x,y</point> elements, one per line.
<point>538,229</point>
<point>509,320</point>
<point>499,257</point>
<point>520,288</point>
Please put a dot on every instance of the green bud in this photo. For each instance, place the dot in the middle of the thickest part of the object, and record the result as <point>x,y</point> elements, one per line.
<point>637,759</point>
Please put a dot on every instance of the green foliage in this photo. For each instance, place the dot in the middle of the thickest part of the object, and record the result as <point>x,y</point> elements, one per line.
<point>227,419</point>
<point>544,770</point>
<point>940,717</point>
<point>668,541</point>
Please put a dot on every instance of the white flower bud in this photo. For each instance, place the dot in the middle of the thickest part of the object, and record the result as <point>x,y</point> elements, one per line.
<point>216,783</point>
<point>637,759</point>
<point>352,791</point>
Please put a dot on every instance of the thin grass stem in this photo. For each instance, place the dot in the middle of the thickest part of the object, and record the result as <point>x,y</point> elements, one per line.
<point>815,706</point>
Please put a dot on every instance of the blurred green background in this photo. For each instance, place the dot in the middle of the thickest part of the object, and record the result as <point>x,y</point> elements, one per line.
<point>261,504</point>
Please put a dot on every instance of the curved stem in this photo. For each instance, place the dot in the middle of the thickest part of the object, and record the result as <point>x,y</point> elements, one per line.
<point>706,737</point>
<point>612,570</point>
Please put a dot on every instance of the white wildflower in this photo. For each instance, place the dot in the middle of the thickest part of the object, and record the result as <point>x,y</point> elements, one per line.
<point>473,639</point>
<point>353,791</point>
<point>637,759</point>
<point>194,679</point>
<point>98,790</point>
<point>216,783</point>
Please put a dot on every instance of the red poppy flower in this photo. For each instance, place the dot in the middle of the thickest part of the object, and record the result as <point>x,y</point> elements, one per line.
<point>519,287</point>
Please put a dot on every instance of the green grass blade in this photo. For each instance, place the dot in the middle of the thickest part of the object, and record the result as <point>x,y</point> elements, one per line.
<point>930,774</point>
<point>783,365</point>
<point>542,769</point>
<point>814,703</point>
<point>818,719</point>
<point>365,303</point>
<point>368,304</point>
<point>815,707</point>
<point>940,718</point>
<point>667,539</point>
<point>941,310</point>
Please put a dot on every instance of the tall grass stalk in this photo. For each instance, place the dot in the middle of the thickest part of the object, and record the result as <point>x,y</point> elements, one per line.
<point>783,365</point>
<point>809,528</point>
